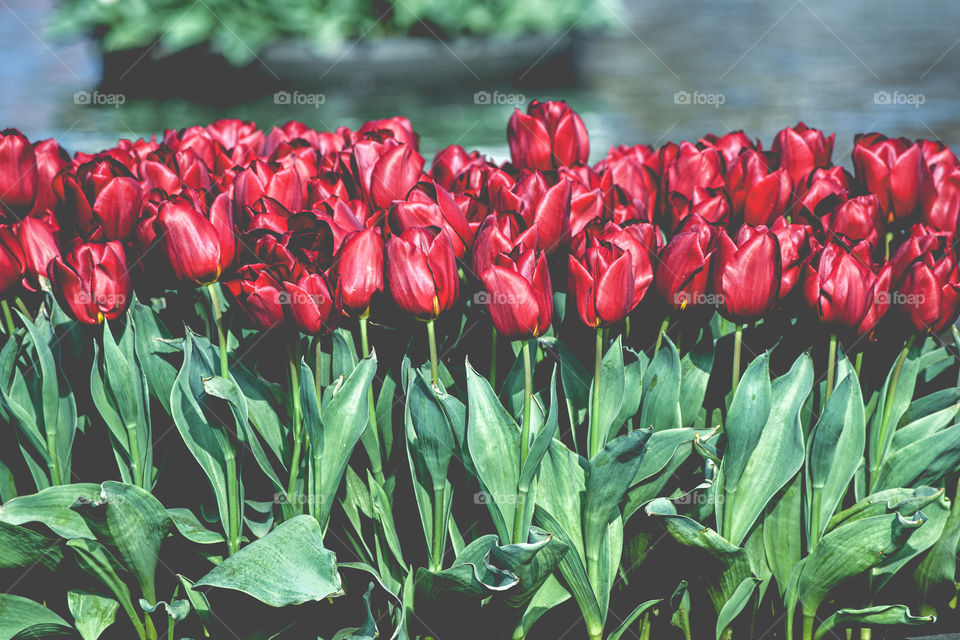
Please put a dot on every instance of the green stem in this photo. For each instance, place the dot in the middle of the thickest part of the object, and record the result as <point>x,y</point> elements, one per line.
<point>660,334</point>
<point>737,348</point>
<point>375,460</point>
<point>54,464</point>
<point>23,307</point>
<point>149,629</point>
<point>888,407</point>
<point>438,528</point>
<point>221,336</point>
<point>594,434</point>
<point>133,442</point>
<point>432,336</point>
<point>518,532</point>
<point>170,624</point>
<point>808,627</point>
<point>234,509</point>
<point>8,317</point>
<point>866,633</point>
<point>294,363</point>
<point>858,363</point>
<point>831,367</point>
<point>493,357</point>
<point>317,373</point>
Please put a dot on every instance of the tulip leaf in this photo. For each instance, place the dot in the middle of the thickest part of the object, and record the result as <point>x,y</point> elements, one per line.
<point>542,439</point>
<point>52,507</point>
<point>634,615</point>
<point>287,566</point>
<point>936,514</point>
<point>891,405</point>
<point>689,532</point>
<point>574,379</point>
<point>836,447</point>
<point>661,390</point>
<point>885,614</point>
<point>189,526</point>
<point>695,368</point>
<point>471,575</point>
<point>769,458</point>
<point>92,613</point>
<point>848,551</point>
<point>665,451</point>
<point>634,369</point>
<point>732,607</point>
<point>936,573</point>
<point>612,385</point>
<point>151,337</point>
<point>23,618</point>
<point>96,560</point>
<point>132,521</point>
<point>494,442</point>
<point>924,461</point>
<point>22,547</point>
<point>782,534</point>
<point>906,502</point>
<point>198,602</point>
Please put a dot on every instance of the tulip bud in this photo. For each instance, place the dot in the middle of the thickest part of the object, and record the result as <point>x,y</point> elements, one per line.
<point>643,241</point>
<point>550,135</point>
<point>18,174</point>
<point>692,168</point>
<point>12,260</point>
<point>731,145</point>
<point>893,170</point>
<point>683,269</point>
<point>602,284</point>
<point>102,198</point>
<point>360,271</point>
<point>430,205</point>
<point>746,275</point>
<point>199,245</point>
<point>38,239</point>
<point>450,162</point>
<point>857,219</point>
<point>942,203</point>
<point>838,283</point>
<point>51,160</point>
<point>259,291</point>
<point>757,194</point>
<point>543,207</point>
<point>794,241</point>
<point>422,272</point>
<point>927,281</point>
<point>519,296</point>
<point>802,150</point>
<point>92,282</point>
<point>310,303</point>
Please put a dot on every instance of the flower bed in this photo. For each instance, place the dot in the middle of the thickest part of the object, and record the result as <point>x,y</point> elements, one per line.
<point>289,382</point>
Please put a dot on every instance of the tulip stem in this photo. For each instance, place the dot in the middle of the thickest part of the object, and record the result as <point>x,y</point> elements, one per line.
<point>432,338</point>
<point>858,363</point>
<point>439,523</point>
<point>737,348</point>
<point>594,433</point>
<point>493,357</point>
<point>660,334</point>
<point>221,336</point>
<point>297,428</point>
<point>375,460</point>
<point>831,367</point>
<point>8,317</point>
<point>887,408</point>
<point>520,508</point>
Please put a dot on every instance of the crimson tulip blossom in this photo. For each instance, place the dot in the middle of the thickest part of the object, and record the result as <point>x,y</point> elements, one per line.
<point>519,294</point>
<point>683,269</point>
<point>422,272</point>
<point>746,274</point>
<point>838,283</point>
<point>548,136</point>
<point>802,150</point>
<point>18,174</point>
<point>360,271</point>
<point>39,241</point>
<point>92,281</point>
<point>199,244</point>
<point>102,198</point>
<point>311,304</point>
<point>602,284</point>
<point>892,170</point>
<point>11,258</point>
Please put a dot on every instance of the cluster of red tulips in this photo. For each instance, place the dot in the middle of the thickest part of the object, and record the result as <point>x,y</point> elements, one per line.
<point>303,226</point>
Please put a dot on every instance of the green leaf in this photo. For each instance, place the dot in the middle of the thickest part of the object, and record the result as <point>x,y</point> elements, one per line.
<point>661,386</point>
<point>190,527</point>
<point>624,626</point>
<point>198,602</point>
<point>133,522</point>
<point>936,515</point>
<point>152,343</point>
<point>885,614</point>
<point>52,507</point>
<point>936,573</point>
<point>782,533</point>
<point>92,613</point>
<point>287,566</point>
<point>732,608</point>
<point>848,551</point>
<point>836,447</point>
<point>471,574</point>
<point>882,430</point>
<point>764,461</point>
<point>695,368</point>
<point>924,461</point>
<point>574,379</point>
<point>612,382</point>
<point>689,532</point>
<point>23,618</point>
<point>22,547</point>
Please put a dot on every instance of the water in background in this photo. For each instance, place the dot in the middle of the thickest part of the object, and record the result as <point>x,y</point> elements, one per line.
<point>669,71</point>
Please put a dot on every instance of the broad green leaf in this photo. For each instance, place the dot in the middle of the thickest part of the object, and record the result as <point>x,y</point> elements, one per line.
<point>906,502</point>
<point>153,341</point>
<point>532,562</point>
<point>133,522</point>
<point>732,608</point>
<point>783,533</point>
<point>885,614</point>
<point>777,452</point>
<point>574,379</point>
<point>663,454</point>
<point>695,368</point>
<point>936,514</point>
<point>198,601</point>
<point>96,560</point>
<point>92,613</point>
<point>287,566</point>
<point>848,551</point>
<point>612,383</point>
<point>52,507</point>
<point>23,618</point>
<point>189,526</point>
<point>936,573</point>
<point>542,438</point>
<point>922,462</point>
<point>661,387</point>
<point>471,574</point>
<point>691,533</point>
<point>892,402</point>
<point>634,615</point>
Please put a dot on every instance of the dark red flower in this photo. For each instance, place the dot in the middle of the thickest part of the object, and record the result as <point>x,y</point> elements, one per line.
<point>802,150</point>
<point>602,284</point>
<point>746,274</point>
<point>893,170</point>
<point>422,272</point>
<point>102,198</point>
<point>360,271</point>
<point>199,244</point>
<point>548,136</point>
<point>92,282</point>
<point>18,174</point>
<point>683,269</point>
<point>519,294</point>
<point>838,283</point>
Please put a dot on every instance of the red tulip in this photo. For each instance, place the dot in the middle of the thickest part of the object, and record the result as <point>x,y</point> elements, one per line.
<point>519,295</point>
<point>601,284</point>
<point>430,205</point>
<point>499,233</point>
<point>794,240</point>
<point>638,183</point>
<point>857,219</point>
<point>643,241</point>
<point>694,168</point>
<point>683,269</point>
<point>92,282</point>
<point>757,194</point>
<point>802,150</point>
<point>942,203</point>
<point>548,136</point>
<point>731,144</point>
<point>878,300</point>
<point>450,162</point>
<point>102,198</point>
<point>838,284</point>
<point>360,271</point>
<point>712,205</point>
<point>199,244</point>
<point>259,291</point>
<point>893,170</point>
<point>51,160</point>
<point>422,272</point>
<point>311,304</point>
<point>12,260</point>
<point>18,174</point>
<point>38,239</point>
<point>746,274</point>
<point>543,207</point>
<point>820,192</point>
<point>926,280</point>
<point>938,158</point>
<point>398,127</point>
<point>282,184</point>
<point>386,171</point>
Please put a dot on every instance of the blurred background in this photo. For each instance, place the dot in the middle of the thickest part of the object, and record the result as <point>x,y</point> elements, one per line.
<point>88,72</point>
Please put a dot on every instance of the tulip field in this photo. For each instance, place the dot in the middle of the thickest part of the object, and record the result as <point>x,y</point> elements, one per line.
<point>299,384</point>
